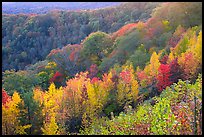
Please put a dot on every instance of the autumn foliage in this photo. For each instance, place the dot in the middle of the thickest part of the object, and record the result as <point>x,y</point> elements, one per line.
<point>163,77</point>
<point>58,77</point>
<point>5,97</point>
<point>124,30</point>
<point>11,114</point>
<point>150,83</point>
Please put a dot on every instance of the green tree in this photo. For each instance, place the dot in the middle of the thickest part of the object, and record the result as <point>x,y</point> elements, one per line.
<point>32,115</point>
<point>21,81</point>
<point>96,46</point>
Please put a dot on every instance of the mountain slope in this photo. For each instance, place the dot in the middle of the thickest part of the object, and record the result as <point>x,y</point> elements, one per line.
<point>143,79</point>
<point>27,39</point>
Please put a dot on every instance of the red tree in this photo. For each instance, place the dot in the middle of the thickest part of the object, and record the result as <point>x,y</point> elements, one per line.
<point>175,71</point>
<point>163,79</point>
<point>5,97</point>
<point>58,77</point>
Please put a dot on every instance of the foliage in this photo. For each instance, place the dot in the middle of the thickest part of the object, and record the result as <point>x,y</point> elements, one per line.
<point>186,14</point>
<point>5,97</point>
<point>154,64</point>
<point>51,101</point>
<point>57,79</point>
<point>124,30</point>
<point>21,81</point>
<point>144,79</point>
<point>32,115</point>
<point>11,115</point>
<point>163,77</point>
<point>127,87</point>
<point>75,95</point>
<point>170,113</point>
<point>28,38</point>
<point>96,46</point>
<point>45,74</point>
<point>140,57</point>
<point>175,71</point>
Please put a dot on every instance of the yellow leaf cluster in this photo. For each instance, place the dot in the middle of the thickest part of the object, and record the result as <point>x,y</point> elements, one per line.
<point>51,101</point>
<point>154,64</point>
<point>10,117</point>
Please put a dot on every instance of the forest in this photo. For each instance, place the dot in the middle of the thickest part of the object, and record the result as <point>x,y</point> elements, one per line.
<point>28,38</point>
<point>130,69</point>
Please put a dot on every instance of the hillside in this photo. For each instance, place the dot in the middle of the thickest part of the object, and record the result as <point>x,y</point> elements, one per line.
<point>144,78</point>
<point>28,38</point>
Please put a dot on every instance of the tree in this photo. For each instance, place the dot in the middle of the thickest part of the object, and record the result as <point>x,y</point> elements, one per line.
<point>5,97</point>
<point>189,65</point>
<point>154,64</point>
<point>51,101</point>
<point>57,79</point>
<point>97,97</point>
<point>21,81</point>
<point>96,46</point>
<point>164,59</point>
<point>175,71</point>
<point>198,48</point>
<point>51,128</point>
<point>190,61</point>
<point>163,79</point>
<point>197,51</point>
<point>32,115</point>
<point>187,42</point>
<point>177,35</point>
<point>186,14</point>
<point>140,57</point>
<point>75,94</point>
<point>127,87</point>
<point>143,78</point>
<point>67,59</point>
<point>11,115</point>
<point>170,57</point>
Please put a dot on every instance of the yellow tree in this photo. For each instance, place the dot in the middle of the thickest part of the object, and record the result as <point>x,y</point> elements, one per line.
<point>154,64</point>
<point>10,117</point>
<point>170,57</point>
<point>51,101</point>
<point>191,60</point>
<point>150,72</point>
<point>127,88</point>
<point>50,128</point>
<point>188,40</point>
<point>197,49</point>
<point>38,95</point>
<point>97,93</point>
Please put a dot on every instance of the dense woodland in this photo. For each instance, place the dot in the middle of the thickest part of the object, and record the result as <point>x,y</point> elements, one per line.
<point>27,39</point>
<point>136,69</point>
